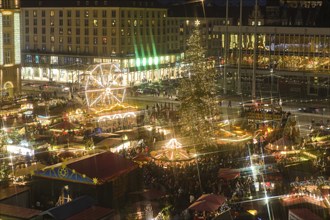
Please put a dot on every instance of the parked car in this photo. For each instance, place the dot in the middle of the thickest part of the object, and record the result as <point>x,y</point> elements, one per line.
<point>310,110</point>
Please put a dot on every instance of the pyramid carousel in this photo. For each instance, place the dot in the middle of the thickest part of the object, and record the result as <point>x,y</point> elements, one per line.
<point>173,151</point>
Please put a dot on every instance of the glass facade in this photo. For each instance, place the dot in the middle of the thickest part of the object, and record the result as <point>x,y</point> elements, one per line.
<point>299,49</point>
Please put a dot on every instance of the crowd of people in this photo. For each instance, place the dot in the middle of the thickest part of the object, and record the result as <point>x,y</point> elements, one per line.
<point>186,181</point>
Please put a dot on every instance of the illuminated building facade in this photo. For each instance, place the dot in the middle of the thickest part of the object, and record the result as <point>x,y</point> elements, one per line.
<point>10,47</point>
<point>296,58</point>
<point>60,39</point>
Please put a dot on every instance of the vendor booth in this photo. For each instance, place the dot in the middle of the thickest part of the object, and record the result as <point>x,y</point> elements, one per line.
<point>105,177</point>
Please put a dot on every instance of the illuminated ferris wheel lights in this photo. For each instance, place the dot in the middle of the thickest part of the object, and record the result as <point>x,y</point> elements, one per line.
<point>104,85</point>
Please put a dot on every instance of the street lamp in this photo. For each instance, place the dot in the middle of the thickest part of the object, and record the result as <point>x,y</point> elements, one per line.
<point>271,84</point>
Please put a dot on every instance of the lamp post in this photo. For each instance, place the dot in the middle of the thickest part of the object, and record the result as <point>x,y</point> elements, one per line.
<point>271,84</point>
<point>239,88</point>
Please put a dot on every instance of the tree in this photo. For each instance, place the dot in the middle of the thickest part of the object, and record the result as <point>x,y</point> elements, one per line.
<point>198,92</point>
<point>4,173</point>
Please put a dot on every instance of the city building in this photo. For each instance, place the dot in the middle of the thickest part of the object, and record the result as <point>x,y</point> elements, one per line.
<point>291,59</point>
<point>60,39</point>
<point>10,47</point>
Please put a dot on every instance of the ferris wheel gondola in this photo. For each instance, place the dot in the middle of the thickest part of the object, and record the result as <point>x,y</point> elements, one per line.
<point>104,85</point>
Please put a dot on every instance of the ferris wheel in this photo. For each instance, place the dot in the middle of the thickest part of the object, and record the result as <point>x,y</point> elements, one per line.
<point>104,85</point>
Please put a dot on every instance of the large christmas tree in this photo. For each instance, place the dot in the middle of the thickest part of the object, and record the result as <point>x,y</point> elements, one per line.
<point>198,92</point>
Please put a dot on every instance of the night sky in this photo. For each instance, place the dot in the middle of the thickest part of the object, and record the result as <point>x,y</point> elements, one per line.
<point>218,2</point>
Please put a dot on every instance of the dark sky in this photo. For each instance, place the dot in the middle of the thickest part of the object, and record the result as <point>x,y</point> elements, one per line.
<point>218,2</point>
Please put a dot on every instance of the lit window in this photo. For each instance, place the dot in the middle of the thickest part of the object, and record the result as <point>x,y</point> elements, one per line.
<point>95,23</point>
<point>52,13</point>
<point>7,57</point>
<point>6,20</point>
<point>6,38</point>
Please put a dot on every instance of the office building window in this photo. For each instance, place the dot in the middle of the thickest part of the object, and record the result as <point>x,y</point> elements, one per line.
<point>52,13</point>
<point>95,31</point>
<point>52,39</point>
<point>6,38</point>
<point>27,39</point>
<point>26,22</point>
<point>52,30</point>
<point>113,13</point>
<point>60,31</point>
<point>27,30</point>
<point>68,13</point>
<point>77,31</point>
<point>77,22</point>
<point>43,22</point>
<point>86,13</point>
<point>77,14</point>
<point>104,13</point>
<point>6,20</point>
<point>104,50</point>
<point>77,40</point>
<point>95,40</point>
<point>43,39</point>
<point>95,14</point>
<point>43,30</point>
<point>35,14</point>
<point>43,13</point>
<point>7,57</point>
<point>69,40</point>
<point>35,22</point>
<point>26,13</point>
<point>104,32</point>
<point>35,30</point>
<point>60,39</point>
<point>104,40</point>
<point>61,22</point>
<point>86,31</point>
<point>104,23</point>
<point>86,40</point>
<point>69,22</point>
<point>60,13</point>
